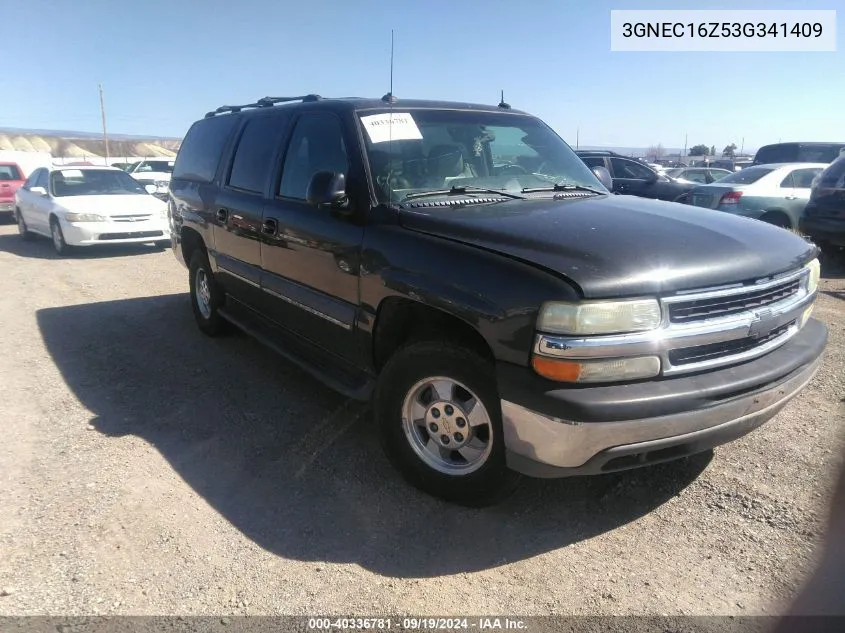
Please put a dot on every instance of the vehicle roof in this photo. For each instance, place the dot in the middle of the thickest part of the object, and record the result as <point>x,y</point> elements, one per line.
<point>83,167</point>
<point>364,103</point>
<point>810,143</point>
<point>785,165</point>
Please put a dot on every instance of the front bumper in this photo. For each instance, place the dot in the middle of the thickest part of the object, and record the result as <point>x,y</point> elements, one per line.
<point>824,229</point>
<point>91,233</point>
<point>558,432</point>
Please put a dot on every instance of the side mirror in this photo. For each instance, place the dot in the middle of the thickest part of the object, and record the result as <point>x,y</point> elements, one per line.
<point>41,191</point>
<point>604,177</point>
<point>151,189</point>
<point>327,189</point>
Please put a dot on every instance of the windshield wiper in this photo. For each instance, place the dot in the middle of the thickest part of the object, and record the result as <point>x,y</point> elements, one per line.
<point>564,187</point>
<point>455,191</point>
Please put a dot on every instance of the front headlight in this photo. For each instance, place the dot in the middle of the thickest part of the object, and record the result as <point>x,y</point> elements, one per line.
<point>813,278</point>
<point>84,217</point>
<point>599,317</point>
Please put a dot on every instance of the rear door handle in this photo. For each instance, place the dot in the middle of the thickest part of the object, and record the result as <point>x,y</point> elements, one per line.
<point>222,215</point>
<point>269,226</point>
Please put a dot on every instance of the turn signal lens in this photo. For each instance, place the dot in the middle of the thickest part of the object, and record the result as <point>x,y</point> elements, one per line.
<point>605,370</point>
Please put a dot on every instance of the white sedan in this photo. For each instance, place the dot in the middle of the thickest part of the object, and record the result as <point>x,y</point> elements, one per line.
<point>88,205</point>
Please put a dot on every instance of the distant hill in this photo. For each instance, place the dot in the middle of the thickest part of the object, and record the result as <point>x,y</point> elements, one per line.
<point>74,144</point>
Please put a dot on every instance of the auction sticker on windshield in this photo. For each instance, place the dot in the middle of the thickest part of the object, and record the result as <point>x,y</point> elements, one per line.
<point>391,126</point>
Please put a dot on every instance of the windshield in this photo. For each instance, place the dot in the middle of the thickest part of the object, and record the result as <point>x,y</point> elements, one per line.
<point>746,176</point>
<point>431,150</point>
<point>10,172</point>
<point>674,173</point>
<point>94,182</point>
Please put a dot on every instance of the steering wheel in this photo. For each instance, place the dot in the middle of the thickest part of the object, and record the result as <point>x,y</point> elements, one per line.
<point>512,170</point>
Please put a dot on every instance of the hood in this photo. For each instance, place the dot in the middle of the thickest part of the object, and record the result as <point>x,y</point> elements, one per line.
<point>112,205</point>
<point>616,246</point>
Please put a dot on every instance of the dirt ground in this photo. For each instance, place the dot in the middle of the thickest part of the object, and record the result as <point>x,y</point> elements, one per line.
<point>147,469</point>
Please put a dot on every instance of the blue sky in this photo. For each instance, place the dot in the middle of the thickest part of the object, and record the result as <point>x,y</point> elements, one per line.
<point>164,63</point>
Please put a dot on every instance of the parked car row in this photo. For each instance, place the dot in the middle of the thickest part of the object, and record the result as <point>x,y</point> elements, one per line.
<point>632,177</point>
<point>774,192</point>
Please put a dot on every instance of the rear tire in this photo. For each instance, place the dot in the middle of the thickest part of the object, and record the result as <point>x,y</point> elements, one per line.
<point>23,231</point>
<point>206,296</point>
<point>422,411</point>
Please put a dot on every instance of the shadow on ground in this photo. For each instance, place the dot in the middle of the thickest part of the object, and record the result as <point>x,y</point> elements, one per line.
<point>42,248</point>
<point>296,467</point>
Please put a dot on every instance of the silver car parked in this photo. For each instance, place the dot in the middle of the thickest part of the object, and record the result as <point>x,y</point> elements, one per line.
<point>776,193</point>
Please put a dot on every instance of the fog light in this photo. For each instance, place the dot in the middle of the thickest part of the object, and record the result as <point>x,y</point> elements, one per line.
<point>604,370</point>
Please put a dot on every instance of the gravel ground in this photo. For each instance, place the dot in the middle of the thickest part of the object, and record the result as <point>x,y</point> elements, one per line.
<point>147,469</point>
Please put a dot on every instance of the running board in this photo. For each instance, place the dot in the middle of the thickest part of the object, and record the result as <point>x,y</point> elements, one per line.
<point>358,387</point>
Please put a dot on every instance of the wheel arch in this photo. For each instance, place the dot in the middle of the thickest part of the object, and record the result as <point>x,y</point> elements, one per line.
<point>778,217</point>
<point>400,320</point>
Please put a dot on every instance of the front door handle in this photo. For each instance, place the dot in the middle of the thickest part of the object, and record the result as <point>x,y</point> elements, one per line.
<point>791,197</point>
<point>269,226</point>
<point>222,214</point>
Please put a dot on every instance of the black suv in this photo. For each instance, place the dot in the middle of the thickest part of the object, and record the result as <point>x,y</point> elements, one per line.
<point>824,216</point>
<point>459,266</point>
<point>632,177</point>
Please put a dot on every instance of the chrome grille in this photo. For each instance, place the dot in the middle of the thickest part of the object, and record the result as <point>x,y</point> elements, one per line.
<point>132,217</point>
<point>702,353</point>
<point>721,306</point>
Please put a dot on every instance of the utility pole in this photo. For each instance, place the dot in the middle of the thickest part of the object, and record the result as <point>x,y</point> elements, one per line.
<point>742,147</point>
<point>577,137</point>
<point>686,137</point>
<point>103,113</point>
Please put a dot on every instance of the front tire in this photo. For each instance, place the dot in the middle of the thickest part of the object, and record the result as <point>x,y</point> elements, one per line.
<point>440,423</point>
<point>58,238</point>
<point>206,296</point>
<point>23,230</point>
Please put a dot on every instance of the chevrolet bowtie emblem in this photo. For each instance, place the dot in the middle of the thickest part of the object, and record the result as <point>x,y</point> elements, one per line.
<point>763,323</point>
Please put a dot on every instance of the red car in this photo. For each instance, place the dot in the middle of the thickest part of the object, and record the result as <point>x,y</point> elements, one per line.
<point>11,177</point>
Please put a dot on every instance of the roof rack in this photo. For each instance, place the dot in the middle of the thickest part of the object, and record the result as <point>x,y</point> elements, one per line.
<point>264,102</point>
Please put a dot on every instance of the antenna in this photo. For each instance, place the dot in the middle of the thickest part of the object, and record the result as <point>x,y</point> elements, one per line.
<point>502,104</point>
<point>389,98</point>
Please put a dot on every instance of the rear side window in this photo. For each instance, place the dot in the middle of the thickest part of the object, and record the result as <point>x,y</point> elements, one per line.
<point>746,176</point>
<point>10,172</point>
<point>803,178</point>
<point>253,158</point>
<point>201,149</point>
